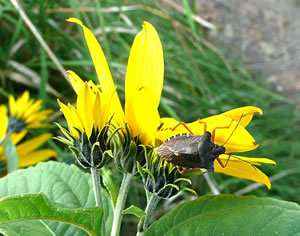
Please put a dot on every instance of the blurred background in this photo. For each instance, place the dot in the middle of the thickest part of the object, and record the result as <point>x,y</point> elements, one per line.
<point>219,55</point>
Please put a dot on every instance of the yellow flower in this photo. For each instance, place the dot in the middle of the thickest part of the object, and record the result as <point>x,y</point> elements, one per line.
<point>25,112</point>
<point>143,86</point>
<point>26,151</point>
<point>234,138</point>
<point>91,110</point>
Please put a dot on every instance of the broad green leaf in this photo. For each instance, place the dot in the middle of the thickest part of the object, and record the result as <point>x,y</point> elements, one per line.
<point>110,184</point>
<point>134,210</point>
<point>11,155</point>
<point>61,183</point>
<point>38,207</point>
<point>230,215</point>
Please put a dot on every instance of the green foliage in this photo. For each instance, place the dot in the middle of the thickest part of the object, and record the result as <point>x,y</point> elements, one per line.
<point>20,211</point>
<point>110,184</point>
<point>200,80</point>
<point>230,215</point>
<point>62,184</point>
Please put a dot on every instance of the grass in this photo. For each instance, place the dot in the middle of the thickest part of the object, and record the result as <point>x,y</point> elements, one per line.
<point>199,81</point>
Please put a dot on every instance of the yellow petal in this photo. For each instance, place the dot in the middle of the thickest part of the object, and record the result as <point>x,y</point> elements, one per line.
<point>143,84</point>
<point>85,105</point>
<point>145,70</point>
<point>72,118</point>
<point>12,105</point>
<point>103,72</point>
<point>239,138</point>
<point>97,55</point>
<point>243,114</point>
<point>38,116</point>
<point>3,121</point>
<point>102,107</point>
<point>97,112</point>
<point>243,170</point>
<point>253,160</point>
<point>30,145</point>
<point>144,121</point>
<point>75,80</point>
<point>17,137</point>
<point>34,108</point>
<point>33,158</point>
<point>21,104</point>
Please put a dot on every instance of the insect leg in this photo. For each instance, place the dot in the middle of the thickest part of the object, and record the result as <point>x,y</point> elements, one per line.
<point>205,125</point>
<point>181,171</point>
<point>228,159</point>
<point>213,134</point>
<point>184,125</point>
<point>220,162</point>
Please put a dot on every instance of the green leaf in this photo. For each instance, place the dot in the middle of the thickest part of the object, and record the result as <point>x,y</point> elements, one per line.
<point>11,155</point>
<point>110,184</point>
<point>61,183</point>
<point>38,207</point>
<point>134,210</point>
<point>230,215</point>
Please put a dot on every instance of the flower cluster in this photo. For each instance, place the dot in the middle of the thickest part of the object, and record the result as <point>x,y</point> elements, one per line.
<point>126,134</point>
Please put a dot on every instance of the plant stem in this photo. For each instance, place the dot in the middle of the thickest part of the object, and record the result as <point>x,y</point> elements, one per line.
<point>98,193</point>
<point>6,136</point>
<point>97,187</point>
<point>127,178</point>
<point>151,206</point>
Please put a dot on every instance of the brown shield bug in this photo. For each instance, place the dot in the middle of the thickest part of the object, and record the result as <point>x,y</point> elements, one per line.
<point>188,151</point>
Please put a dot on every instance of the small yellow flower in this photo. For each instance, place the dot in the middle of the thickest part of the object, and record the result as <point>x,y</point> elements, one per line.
<point>26,151</point>
<point>235,139</point>
<point>26,112</point>
<point>91,110</point>
<point>143,85</point>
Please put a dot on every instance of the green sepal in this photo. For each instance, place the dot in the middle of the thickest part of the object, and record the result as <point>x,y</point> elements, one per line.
<point>183,179</point>
<point>194,173</point>
<point>134,210</point>
<point>149,173</point>
<point>141,171</point>
<point>170,186</point>
<point>63,140</point>
<point>189,190</point>
<point>108,154</point>
<point>130,158</point>
<point>65,132</point>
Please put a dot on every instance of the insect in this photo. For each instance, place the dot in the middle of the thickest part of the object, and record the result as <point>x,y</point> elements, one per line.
<point>188,151</point>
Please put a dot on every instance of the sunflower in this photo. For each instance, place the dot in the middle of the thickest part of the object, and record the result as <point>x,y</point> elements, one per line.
<point>235,138</point>
<point>26,113</point>
<point>143,86</point>
<point>27,153</point>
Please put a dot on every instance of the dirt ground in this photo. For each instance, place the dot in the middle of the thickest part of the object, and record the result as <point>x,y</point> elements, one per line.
<point>265,32</point>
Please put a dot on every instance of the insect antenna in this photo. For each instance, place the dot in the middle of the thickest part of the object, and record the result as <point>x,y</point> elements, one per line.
<point>242,160</point>
<point>234,129</point>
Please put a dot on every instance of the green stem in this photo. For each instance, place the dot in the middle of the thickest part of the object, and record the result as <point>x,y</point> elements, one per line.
<point>127,178</point>
<point>97,187</point>
<point>6,136</point>
<point>98,193</point>
<point>151,206</point>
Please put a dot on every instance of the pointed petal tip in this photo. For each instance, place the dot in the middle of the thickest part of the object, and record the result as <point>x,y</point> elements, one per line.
<point>259,111</point>
<point>74,20</point>
<point>147,26</point>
